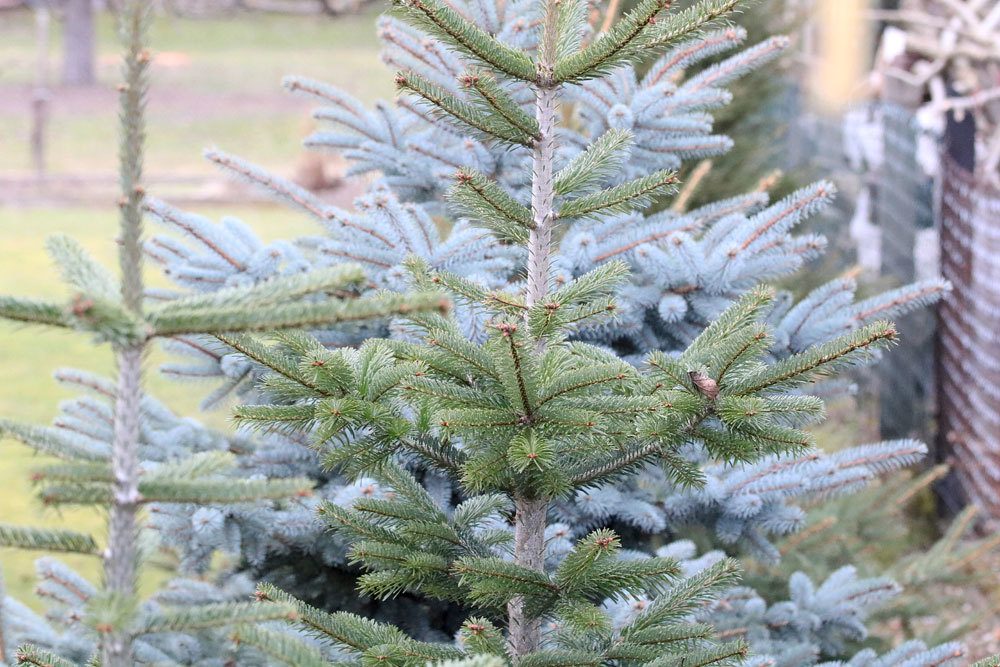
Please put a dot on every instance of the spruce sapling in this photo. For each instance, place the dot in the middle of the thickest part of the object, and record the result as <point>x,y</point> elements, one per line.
<point>526,417</point>
<point>110,474</point>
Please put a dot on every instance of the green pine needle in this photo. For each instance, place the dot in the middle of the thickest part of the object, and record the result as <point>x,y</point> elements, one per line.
<point>206,616</point>
<point>623,198</point>
<point>80,270</point>
<point>31,311</point>
<point>294,315</point>
<point>49,441</point>
<point>496,100</point>
<point>276,290</point>
<point>481,199</point>
<point>621,44</point>
<point>492,126</point>
<point>45,539</point>
<point>32,656</point>
<point>601,161</point>
<point>280,647</point>
<point>464,36</point>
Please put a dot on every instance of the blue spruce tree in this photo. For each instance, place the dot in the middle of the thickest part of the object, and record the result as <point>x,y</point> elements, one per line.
<point>455,454</point>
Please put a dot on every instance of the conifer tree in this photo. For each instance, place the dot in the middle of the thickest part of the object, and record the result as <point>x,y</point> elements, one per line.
<point>102,467</point>
<point>684,433</point>
<point>499,399</point>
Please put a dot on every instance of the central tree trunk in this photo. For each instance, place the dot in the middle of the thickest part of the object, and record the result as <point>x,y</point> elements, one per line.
<point>542,197</point>
<point>524,632</point>
<point>122,553</point>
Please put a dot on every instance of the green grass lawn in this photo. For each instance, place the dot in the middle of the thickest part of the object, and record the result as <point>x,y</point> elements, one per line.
<point>30,354</point>
<point>247,53</point>
<point>214,83</point>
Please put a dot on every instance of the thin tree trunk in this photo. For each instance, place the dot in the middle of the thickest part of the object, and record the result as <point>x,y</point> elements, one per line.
<point>524,632</point>
<point>79,46</point>
<point>121,557</point>
<point>542,195</point>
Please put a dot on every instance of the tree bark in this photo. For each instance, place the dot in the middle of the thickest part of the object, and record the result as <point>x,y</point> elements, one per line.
<point>79,45</point>
<point>121,556</point>
<point>542,196</point>
<point>524,632</point>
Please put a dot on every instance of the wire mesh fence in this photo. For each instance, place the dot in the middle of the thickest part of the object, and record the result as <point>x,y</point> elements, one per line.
<point>942,384</point>
<point>904,212</point>
<point>872,154</point>
<point>969,336</point>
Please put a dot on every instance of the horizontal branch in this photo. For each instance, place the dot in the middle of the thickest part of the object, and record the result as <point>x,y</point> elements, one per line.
<point>292,316</point>
<point>477,197</point>
<point>33,312</point>
<point>203,617</point>
<point>280,289</point>
<point>491,125</point>
<point>621,198</point>
<point>444,22</point>
<point>44,539</point>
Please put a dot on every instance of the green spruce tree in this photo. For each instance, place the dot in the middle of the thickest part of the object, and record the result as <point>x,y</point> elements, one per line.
<point>529,417</point>
<point>517,420</point>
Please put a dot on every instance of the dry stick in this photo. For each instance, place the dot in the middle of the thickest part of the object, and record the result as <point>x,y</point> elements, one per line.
<point>524,633</point>
<point>795,540</point>
<point>684,196</point>
<point>610,15</point>
<point>121,555</point>
<point>769,180</point>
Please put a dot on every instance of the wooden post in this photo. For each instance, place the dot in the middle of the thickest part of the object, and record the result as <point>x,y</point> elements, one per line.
<point>40,95</point>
